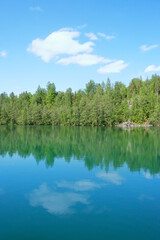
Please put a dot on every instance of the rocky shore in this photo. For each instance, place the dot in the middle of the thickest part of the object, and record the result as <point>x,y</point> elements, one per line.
<point>132,125</point>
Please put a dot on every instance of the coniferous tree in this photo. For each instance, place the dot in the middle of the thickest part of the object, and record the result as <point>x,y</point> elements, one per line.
<point>98,105</point>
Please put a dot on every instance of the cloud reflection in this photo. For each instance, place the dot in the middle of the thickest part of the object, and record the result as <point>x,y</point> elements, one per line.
<point>66,195</point>
<point>158,175</point>
<point>84,185</point>
<point>143,197</point>
<point>147,175</point>
<point>56,202</point>
<point>113,177</point>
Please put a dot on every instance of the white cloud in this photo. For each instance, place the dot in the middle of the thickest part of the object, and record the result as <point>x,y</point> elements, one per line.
<point>59,43</point>
<point>83,185</point>
<point>91,36</point>
<point>114,177</point>
<point>3,53</point>
<point>107,37</point>
<point>83,60</point>
<point>56,202</point>
<point>146,48</point>
<point>114,67</point>
<point>152,68</point>
<point>37,8</point>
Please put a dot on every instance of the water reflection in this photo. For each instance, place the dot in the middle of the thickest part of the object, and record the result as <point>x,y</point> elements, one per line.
<point>143,197</point>
<point>118,198</point>
<point>56,202</point>
<point>138,148</point>
<point>111,177</point>
<point>148,176</point>
<point>1,191</point>
<point>65,195</point>
<point>84,185</point>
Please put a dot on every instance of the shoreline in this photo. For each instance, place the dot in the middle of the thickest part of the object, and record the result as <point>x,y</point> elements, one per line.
<point>133,125</point>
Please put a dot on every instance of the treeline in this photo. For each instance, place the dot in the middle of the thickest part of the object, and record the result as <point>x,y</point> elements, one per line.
<point>97,105</point>
<point>139,148</point>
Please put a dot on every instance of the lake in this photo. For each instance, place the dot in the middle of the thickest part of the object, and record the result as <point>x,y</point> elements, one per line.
<point>79,183</point>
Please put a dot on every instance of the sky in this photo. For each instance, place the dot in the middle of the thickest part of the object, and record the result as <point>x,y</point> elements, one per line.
<point>70,42</point>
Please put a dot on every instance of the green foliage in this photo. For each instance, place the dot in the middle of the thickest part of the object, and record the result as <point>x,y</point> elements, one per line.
<point>98,105</point>
<point>51,93</point>
<point>155,117</point>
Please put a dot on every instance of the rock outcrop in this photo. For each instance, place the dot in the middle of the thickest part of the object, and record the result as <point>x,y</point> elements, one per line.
<point>132,125</point>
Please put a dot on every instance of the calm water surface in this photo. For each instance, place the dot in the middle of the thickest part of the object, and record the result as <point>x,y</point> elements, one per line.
<point>79,183</point>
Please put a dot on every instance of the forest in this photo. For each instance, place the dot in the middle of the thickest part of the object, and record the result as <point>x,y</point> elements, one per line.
<point>102,104</point>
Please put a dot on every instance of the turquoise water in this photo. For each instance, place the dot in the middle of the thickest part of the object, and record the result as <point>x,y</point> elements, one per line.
<point>79,183</point>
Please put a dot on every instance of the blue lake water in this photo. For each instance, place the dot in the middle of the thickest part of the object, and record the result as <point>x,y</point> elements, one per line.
<point>79,183</point>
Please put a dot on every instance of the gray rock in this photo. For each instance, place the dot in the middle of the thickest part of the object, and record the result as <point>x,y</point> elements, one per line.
<point>132,125</point>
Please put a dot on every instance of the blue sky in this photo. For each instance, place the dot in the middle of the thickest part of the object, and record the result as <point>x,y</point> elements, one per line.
<point>69,42</point>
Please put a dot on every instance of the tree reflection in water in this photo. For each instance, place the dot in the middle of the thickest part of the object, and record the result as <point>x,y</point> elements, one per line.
<point>96,146</point>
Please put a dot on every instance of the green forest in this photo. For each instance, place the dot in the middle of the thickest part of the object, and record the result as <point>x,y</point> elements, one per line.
<point>97,105</point>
